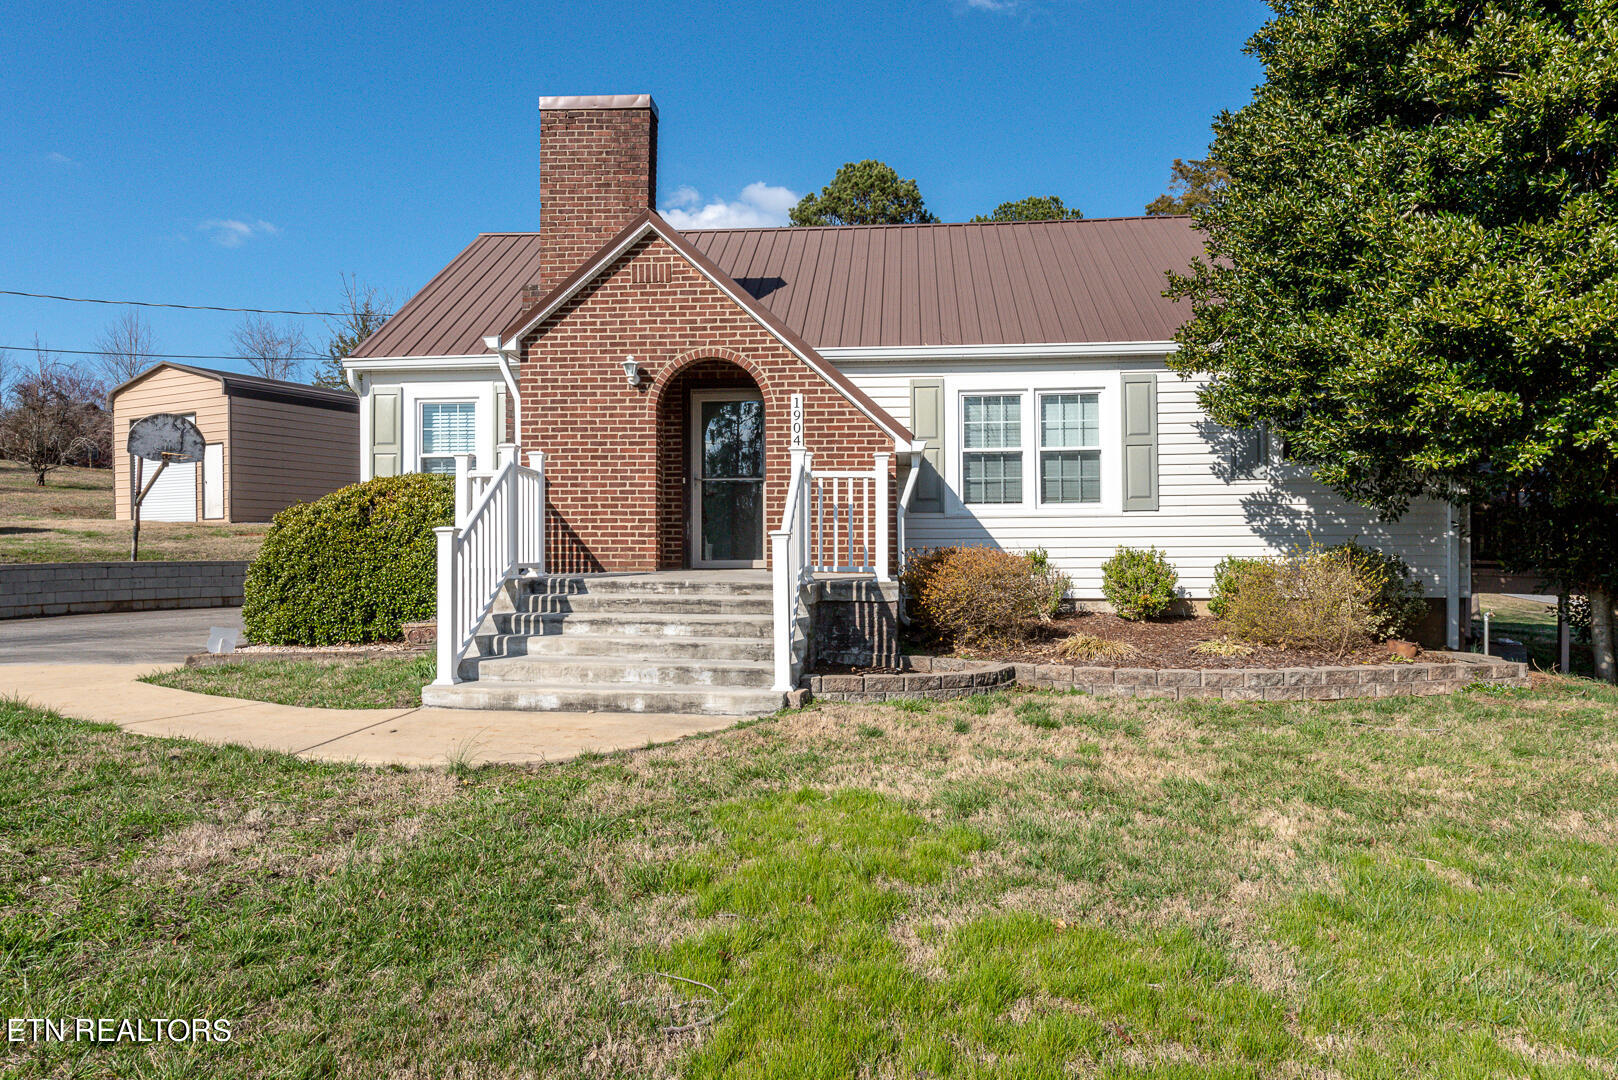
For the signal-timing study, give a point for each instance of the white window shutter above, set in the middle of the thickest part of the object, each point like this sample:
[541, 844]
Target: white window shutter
[387, 426]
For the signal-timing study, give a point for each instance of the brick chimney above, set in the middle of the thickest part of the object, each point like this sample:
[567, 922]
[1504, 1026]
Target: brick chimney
[597, 170]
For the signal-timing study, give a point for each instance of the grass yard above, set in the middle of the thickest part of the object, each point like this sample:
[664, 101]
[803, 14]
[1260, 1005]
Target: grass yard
[1533, 624]
[70, 520]
[1020, 885]
[383, 683]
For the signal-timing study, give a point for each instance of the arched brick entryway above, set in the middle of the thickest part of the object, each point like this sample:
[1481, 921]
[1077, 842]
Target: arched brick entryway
[705, 370]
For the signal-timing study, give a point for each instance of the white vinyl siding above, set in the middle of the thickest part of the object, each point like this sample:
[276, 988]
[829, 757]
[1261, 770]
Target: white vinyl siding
[991, 458]
[447, 428]
[1070, 448]
[1207, 510]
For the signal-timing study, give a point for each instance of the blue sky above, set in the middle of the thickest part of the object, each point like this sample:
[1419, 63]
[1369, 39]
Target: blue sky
[248, 154]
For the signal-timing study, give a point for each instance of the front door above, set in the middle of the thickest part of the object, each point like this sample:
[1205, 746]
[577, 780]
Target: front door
[727, 478]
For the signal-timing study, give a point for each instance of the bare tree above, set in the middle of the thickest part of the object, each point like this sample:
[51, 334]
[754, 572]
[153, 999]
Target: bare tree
[126, 346]
[53, 417]
[271, 350]
[364, 311]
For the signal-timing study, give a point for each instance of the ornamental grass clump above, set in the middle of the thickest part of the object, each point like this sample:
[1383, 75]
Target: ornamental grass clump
[350, 567]
[980, 595]
[1091, 647]
[1139, 583]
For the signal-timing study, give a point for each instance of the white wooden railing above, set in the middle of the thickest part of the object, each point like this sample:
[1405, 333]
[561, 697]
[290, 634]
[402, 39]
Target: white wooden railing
[792, 567]
[499, 526]
[835, 521]
[849, 511]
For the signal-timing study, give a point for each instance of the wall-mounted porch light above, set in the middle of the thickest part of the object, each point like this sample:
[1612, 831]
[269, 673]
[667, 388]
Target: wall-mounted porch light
[632, 370]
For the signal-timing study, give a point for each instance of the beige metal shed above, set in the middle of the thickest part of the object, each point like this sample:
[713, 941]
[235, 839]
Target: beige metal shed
[269, 443]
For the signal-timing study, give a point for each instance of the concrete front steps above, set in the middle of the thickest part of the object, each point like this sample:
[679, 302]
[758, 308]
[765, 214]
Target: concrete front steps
[679, 642]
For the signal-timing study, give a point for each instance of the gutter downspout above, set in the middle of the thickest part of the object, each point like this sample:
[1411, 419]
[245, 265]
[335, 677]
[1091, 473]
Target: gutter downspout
[1452, 581]
[914, 451]
[504, 356]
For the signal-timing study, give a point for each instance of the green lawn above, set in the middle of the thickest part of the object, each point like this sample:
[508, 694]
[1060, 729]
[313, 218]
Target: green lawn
[1534, 624]
[382, 683]
[1022, 885]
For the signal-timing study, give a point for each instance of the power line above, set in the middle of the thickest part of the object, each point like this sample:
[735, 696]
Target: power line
[183, 307]
[144, 355]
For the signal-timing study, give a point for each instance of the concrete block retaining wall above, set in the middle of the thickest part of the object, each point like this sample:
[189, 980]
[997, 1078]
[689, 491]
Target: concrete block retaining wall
[942, 677]
[30, 589]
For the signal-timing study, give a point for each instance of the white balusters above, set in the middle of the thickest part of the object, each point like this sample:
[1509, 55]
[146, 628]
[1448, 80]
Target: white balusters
[499, 526]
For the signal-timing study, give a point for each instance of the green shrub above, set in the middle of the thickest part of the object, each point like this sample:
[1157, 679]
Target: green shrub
[351, 566]
[1399, 601]
[1327, 598]
[1227, 580]
[980, 595]
[1139, 583]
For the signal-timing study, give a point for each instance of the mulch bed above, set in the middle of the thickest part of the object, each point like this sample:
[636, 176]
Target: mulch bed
[1160, 643]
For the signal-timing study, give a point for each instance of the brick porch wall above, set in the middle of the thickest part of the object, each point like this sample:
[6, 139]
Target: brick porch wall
[614, 453]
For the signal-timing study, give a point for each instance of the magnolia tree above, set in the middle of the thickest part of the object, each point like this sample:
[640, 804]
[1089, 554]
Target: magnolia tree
[1413, 266]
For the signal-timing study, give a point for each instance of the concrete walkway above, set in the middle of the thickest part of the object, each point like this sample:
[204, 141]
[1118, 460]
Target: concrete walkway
[414, 737]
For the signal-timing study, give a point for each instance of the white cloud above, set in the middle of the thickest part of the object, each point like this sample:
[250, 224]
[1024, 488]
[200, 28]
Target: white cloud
[992, 5]
[56, 157]
[228, 232]
[759, 205]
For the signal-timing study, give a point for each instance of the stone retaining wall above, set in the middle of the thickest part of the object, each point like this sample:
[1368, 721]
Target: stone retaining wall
[942, 677]
[30, 589]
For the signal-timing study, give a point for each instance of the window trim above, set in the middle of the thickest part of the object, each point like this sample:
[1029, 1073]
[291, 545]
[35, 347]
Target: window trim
[1040, 449]
[421, 430]
[1021, 449]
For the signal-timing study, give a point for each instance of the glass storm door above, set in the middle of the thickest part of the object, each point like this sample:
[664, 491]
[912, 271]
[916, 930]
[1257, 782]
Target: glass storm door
[728, 478]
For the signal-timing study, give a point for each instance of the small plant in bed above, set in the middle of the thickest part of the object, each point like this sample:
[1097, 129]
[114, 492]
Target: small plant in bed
[1090, 647]
[1139, 583]
[1221, 646]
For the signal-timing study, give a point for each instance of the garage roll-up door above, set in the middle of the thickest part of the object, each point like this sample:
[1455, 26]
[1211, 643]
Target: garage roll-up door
[174, 496]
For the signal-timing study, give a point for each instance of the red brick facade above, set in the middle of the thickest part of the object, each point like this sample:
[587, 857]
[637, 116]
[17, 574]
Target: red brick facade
[616, 454]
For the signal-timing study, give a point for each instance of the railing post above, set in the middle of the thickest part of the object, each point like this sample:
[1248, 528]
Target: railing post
[785, 608]
[463, 487]
[503, 453]
[514, 508]
[536, 461]
[882, 516]
[449, 633]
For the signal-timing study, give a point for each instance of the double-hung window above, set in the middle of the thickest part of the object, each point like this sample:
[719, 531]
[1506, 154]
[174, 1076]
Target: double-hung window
[447, 428]
[991, 458]
[1070, 448]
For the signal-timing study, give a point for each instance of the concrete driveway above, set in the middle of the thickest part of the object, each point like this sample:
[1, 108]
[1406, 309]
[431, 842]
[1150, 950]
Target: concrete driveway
[137, 637]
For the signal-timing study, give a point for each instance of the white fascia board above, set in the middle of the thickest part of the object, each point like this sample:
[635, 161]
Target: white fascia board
[489, 363]
[1078, 350]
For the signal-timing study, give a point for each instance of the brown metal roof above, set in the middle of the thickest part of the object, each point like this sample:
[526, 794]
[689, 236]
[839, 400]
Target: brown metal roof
[476, 294]
[648, 222]
[995, 283]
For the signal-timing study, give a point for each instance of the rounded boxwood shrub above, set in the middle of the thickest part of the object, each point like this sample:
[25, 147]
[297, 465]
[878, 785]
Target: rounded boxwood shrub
[350, 567]
[1139, 583]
